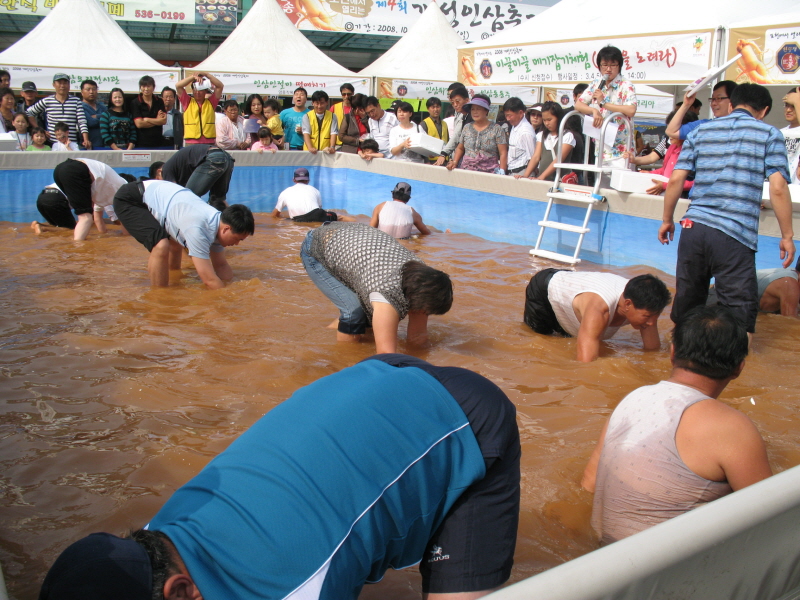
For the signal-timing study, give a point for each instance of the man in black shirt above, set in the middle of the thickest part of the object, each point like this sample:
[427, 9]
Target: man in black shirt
[149, 115]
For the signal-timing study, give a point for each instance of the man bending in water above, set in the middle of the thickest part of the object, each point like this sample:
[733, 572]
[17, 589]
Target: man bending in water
[370, 276]
[593, 306]
[165, 218]
[391, 462]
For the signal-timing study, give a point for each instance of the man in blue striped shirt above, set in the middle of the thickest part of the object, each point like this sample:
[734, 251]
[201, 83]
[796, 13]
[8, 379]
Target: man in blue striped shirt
[731, 157]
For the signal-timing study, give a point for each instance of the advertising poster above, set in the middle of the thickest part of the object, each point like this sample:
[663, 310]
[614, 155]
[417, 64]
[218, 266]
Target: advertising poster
[474, 20]
[413, 90]
[770, 55]
[209, 12]
[663, 58]
[284, 85]
[106, 79]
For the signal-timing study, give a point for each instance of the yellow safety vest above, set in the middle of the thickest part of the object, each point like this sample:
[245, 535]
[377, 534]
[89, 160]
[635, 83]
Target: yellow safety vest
[433, 132]
[323, 140]
[338, 110]
[199, 123]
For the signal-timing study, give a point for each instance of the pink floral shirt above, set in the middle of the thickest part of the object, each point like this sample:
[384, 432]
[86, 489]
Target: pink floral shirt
[621, 92]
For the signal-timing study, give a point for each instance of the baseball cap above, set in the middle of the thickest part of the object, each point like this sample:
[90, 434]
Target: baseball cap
[204, 85]
[58, 76]
[402, 189]
[29, 86]
[98, 566]
[301, 174]
[395, 104]
[537, 107]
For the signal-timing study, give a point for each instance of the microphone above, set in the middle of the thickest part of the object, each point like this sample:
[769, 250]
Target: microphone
[602, 84]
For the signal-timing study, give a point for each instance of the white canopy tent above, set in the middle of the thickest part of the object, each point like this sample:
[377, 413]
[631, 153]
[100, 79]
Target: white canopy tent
[266, 53]
[428, 52]
[81, 39]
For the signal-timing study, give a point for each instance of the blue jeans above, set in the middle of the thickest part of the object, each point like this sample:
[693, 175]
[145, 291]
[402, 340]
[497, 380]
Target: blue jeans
[213, 176]
[352, 318]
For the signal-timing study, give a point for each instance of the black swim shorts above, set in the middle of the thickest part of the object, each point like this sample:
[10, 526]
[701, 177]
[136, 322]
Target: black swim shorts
[318, 215]
[75, 179]
[136, 217]
[473, 548]
[539, 314]
[54, 207]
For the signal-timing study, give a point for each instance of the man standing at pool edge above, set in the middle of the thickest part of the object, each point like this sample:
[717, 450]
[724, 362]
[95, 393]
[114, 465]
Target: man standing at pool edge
[391, 462]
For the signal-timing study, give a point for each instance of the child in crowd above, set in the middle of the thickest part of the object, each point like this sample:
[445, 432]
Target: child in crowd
[670, 158]
[116, 124]
[368, 149]
[546, 155]
[38, 139]
[20, 132]
[265, 142]
[63, 143]
[272, 113]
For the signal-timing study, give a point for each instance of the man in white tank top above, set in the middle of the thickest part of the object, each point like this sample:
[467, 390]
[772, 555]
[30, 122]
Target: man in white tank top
[593, 306]
[395, 217]
[670, 447]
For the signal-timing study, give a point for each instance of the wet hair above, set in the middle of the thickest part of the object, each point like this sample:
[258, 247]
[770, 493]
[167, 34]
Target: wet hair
[300, 89]
[753, 95]
[273, 104]
[264, 132]
[426, 289]
[433, 101]
[710, 341]
[60, 126]
[405, 107]
[230, 103]
[358, 101]
[689, 117]
[347, 86]
[609, 54]
[147, 80]
[647, 292]
[373, 101]
[248, 104]
[319, 95]
[728, 85]
[514, 105]
[460, 91]
[86, 82]
[162, 562]
[370, 145]
[579, 89]
[151, 174]
[239, 217]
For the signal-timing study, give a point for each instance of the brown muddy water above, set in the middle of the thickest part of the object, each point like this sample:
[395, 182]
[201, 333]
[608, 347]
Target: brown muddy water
[112, 394]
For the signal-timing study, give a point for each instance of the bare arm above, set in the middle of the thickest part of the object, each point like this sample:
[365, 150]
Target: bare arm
[456, 157]
[674, 126]
[385, 320]
[423, 229]
[309, 145]
[218, 85]
[666, 233]
[276, 214]
[181, 85]
[417, 332]
[593, 323]
[503, 149]
[375, 219]
[207, 272]
[782, 206]
[590, 473]
[98, 221]
[650, 339]
[221, 266]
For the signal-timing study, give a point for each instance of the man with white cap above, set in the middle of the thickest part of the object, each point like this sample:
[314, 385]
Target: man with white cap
[198, 110]
[304, 202]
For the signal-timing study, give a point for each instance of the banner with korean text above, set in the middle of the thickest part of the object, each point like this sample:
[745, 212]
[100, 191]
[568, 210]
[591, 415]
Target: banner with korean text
[409, 89]
[660, 58]
[106, 79]
[473, 20]
[284, 85]
[770, 55]
[206, 12]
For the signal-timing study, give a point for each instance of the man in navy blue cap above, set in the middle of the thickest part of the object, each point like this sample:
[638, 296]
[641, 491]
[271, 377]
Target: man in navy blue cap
[389, 463]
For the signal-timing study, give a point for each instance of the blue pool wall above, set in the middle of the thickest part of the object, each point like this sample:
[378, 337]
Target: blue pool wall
[623, 230]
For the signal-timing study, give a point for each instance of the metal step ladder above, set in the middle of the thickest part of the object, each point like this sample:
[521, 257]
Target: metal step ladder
[560, 193]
